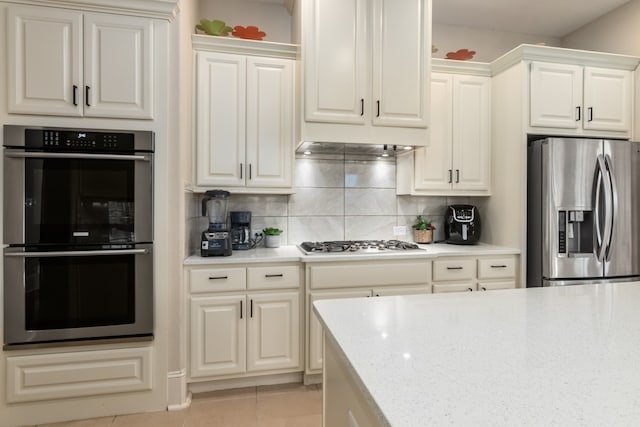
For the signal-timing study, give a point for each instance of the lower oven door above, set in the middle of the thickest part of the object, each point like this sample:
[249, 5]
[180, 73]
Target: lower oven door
[52, 296]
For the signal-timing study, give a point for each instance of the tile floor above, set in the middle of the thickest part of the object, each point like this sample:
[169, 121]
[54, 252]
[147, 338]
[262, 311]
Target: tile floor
[290, 405]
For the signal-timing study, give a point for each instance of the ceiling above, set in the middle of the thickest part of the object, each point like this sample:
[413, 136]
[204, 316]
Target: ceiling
[552, 18]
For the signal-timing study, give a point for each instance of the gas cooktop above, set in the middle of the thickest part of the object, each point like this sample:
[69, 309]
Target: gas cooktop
[357, 246]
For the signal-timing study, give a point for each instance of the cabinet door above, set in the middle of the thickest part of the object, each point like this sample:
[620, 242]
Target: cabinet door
[314, 354]
[607, 99]
[401, 290]
[270, 126]
[118, 66]
[220, 119]
[218, 335]
[336, 71]
[471, 132]
[439, 288]
[490, 286]
[45, 61]
[556, 95]
[401, 62]
[273, 334]
[433, 163]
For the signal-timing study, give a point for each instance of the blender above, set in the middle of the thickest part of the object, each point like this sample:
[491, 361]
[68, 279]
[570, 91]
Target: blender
[216, 240]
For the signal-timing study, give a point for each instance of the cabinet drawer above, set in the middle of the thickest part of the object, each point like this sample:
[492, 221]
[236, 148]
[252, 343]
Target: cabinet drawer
[276, 277]
[496, 268]
[217, 280]
[454, 269]
[352, 274]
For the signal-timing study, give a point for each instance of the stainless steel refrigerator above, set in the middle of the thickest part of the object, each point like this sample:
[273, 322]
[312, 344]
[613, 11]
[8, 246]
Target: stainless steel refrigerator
[583, 215]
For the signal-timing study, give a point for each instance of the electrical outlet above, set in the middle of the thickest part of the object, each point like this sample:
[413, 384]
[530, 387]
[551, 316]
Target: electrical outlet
[256, 233]
[399, 230]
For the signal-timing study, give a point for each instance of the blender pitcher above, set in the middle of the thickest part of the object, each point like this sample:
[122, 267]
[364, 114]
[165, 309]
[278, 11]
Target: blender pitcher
[214, 206]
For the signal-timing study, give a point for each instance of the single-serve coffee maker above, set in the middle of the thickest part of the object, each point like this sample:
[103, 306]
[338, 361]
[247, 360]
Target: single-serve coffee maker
[241, 230]
[216, 239]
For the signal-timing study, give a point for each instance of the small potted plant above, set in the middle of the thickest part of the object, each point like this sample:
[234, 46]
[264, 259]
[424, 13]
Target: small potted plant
[272, 237]
[423, 230]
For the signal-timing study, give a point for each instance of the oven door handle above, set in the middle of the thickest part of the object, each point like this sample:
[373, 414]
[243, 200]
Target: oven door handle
[40, 155]
[77, 253]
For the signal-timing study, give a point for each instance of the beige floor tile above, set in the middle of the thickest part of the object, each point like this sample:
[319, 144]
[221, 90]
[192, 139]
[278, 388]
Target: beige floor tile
[283, 388]
[288, 405]
[92, 422]
[237, 393]
[302, 421]
[222, 413]
[155, 419]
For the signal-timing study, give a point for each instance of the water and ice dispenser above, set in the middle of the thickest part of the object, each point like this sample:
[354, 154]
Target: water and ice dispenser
[575, 232]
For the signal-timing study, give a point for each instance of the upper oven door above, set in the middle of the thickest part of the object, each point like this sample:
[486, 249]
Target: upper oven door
[77, 198]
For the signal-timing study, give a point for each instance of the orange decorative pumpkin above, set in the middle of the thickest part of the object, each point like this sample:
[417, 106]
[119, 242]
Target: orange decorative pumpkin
[461, 54]
[250, 32]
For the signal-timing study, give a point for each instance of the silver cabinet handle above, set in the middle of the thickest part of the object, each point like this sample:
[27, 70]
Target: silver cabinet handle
[76, 253]
[40, 155]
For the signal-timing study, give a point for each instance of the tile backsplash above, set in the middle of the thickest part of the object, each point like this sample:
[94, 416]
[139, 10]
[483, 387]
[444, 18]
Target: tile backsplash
[335, 199]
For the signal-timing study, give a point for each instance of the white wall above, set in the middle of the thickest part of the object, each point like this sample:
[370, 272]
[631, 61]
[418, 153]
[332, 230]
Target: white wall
[616, 32]
[273, 19]
[488, 44]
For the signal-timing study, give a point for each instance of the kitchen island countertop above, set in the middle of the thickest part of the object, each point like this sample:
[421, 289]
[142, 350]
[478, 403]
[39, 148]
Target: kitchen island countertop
[564, 356]
[291, 253]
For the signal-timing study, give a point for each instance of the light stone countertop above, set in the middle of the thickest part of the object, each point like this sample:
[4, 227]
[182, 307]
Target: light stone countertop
[561, 356]
[292, 253]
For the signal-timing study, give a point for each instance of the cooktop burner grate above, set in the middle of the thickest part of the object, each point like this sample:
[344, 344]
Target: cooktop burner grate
[350, 246]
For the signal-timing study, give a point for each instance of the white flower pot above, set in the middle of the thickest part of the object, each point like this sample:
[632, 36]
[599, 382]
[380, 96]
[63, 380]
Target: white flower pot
[272, 241]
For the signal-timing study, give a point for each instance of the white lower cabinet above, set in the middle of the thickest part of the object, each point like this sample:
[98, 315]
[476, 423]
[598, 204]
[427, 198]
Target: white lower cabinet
[244, 333]
[84, 373]
[466, 274]
[353, 279]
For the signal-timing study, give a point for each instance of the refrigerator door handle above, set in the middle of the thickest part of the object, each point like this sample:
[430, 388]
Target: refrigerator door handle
[613, 198]
[600, 246]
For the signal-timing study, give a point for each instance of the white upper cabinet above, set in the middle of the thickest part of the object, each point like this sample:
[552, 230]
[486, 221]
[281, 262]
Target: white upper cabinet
[401, 56]
[50, 74]
[458, 158]
[244, 117]
[366, 68]
[580, 98]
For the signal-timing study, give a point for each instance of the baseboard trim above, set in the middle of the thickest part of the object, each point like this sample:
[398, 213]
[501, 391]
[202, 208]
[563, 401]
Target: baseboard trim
[202, 387]
[178, 397]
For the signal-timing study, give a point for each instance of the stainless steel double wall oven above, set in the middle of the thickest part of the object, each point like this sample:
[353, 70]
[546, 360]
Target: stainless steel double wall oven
[78, 234]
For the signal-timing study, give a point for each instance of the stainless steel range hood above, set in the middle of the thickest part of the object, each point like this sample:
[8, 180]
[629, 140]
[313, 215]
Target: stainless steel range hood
[339, 148]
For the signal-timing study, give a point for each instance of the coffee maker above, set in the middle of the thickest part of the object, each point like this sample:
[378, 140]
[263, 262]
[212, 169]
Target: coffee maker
[216, 240]
[241, 230]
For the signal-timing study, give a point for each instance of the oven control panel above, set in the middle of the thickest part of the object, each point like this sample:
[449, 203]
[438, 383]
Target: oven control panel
[62, 140]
